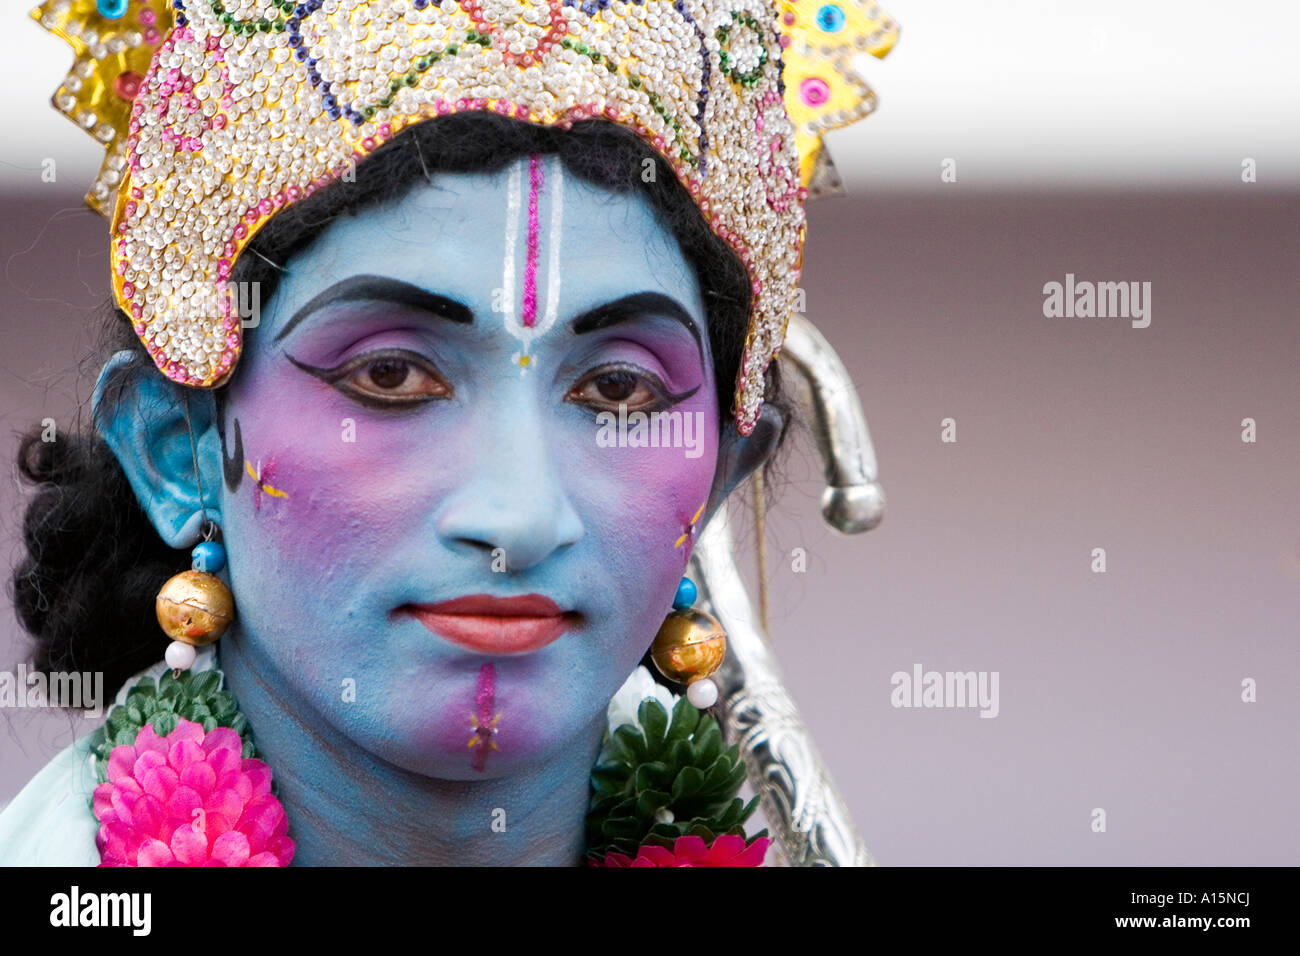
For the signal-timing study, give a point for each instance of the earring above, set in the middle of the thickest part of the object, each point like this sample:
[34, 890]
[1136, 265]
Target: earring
[689, 647]
[195, 607]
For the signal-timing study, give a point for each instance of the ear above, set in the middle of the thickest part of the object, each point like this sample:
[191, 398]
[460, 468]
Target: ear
[739, 456]
[142, 416]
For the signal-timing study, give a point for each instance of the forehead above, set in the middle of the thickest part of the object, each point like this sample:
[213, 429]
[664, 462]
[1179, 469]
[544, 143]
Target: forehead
[475, 237]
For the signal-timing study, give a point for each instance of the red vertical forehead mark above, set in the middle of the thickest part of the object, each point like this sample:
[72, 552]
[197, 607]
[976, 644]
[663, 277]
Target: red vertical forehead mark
[484, 722]
[535, 180]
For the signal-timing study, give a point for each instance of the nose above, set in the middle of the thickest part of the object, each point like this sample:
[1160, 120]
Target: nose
[510, 503]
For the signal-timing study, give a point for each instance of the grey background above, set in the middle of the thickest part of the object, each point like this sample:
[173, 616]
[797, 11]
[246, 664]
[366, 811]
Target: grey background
[1118, 690]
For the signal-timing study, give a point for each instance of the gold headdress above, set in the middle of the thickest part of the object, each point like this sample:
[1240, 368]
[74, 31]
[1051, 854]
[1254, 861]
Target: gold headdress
[216, 114]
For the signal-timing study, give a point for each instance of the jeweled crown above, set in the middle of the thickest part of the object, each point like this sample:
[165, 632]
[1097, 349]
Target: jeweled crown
[217, 115]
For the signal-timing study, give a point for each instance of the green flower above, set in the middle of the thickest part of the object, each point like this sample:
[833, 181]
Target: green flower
[666, 779]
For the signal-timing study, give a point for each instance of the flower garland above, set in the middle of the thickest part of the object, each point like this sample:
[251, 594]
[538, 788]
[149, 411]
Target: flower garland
[180, 783]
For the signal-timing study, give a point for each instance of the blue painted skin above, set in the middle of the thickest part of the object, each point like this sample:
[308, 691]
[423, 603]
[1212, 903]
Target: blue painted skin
[477, 477]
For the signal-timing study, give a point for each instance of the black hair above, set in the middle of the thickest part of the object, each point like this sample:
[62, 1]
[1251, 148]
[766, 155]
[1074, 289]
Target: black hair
[86, 586]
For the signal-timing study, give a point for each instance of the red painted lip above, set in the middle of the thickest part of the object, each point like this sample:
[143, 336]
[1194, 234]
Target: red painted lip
[492, 625]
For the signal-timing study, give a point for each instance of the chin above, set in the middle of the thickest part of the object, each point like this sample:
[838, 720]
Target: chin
[473, 722]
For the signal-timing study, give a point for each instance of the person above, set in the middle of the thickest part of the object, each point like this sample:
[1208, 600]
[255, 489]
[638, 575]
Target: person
[407, 415]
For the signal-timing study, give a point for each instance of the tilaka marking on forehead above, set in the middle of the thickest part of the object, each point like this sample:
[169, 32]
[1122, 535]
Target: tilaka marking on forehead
[526, 327]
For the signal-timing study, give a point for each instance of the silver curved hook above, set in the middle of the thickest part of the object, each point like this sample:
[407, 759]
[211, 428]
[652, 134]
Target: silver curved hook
[853, 501]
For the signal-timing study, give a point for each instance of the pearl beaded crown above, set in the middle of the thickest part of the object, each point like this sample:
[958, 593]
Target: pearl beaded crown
[216, 114]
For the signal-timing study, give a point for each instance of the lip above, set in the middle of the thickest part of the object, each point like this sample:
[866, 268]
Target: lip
[494, 625]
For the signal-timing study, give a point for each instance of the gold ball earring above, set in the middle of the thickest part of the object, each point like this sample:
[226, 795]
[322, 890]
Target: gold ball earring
[690, 646]
[195, 607]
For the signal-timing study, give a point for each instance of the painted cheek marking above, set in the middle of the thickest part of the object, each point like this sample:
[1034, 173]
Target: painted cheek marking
[688, 527]
[261, 482]
[484, 723]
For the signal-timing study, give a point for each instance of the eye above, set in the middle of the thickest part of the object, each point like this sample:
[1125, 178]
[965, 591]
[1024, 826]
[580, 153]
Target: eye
[395, 378]
[385, 378]
[608, 387]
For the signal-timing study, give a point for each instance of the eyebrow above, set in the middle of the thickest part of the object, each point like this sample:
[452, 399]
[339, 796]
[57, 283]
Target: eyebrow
[383, 288]
[371, 287]
[633, 306]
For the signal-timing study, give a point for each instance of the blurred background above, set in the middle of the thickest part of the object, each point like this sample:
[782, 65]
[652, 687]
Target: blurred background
[1106, 140]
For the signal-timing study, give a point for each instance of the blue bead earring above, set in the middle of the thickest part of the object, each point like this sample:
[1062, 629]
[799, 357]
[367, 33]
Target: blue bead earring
[690, 646]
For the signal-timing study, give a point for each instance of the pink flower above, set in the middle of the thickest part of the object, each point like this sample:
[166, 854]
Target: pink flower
[189, 799]
[692, 851]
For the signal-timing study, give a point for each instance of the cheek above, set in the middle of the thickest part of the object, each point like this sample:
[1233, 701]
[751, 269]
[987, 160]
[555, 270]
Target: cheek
[322, 487]
[647, 503]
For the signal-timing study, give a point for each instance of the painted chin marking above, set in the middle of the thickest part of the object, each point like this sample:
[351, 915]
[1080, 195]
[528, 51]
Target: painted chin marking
[484, 722]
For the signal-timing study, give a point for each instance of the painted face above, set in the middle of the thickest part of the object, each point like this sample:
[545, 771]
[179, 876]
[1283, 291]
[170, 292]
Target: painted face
[446, 541]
